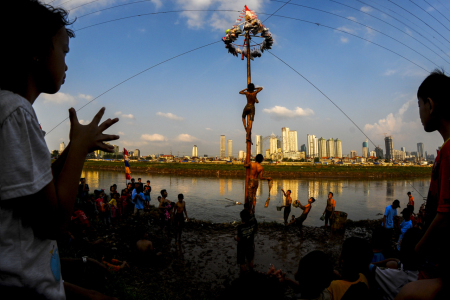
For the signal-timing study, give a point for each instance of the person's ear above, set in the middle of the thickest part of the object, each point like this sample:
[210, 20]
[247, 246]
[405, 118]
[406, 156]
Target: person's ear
[432, 104]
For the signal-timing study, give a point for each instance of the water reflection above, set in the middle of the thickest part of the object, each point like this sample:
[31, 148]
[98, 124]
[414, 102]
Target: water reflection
[205, 196]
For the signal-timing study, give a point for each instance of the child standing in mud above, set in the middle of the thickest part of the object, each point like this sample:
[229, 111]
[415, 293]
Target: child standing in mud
[245, 238]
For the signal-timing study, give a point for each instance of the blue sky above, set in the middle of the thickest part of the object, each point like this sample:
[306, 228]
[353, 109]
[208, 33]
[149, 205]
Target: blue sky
[193, 99]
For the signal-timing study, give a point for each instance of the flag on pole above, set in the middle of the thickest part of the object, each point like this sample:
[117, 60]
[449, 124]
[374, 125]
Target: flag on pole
[127, 164]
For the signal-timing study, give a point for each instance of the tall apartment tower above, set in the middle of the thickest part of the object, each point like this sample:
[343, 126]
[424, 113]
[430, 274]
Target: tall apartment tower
[353, 153]
[420, 150]
[230, 148]
[273, 144]
[389, 148]
[194, 151]
[137, 153]
[322, 143]
[365, 148]
[259, 145]
[330, 148]
[379, 152]
[338, 148]
[403, 149]
[293, 144]
[62, 146]
[303, 148]
[312, 146]
[222, 146]
[285, 137]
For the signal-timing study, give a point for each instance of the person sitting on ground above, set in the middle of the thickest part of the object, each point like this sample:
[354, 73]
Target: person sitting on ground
[111, 263]
[256, 171]
[404, 226]
[306, 209]
[355, 259]
[329, 210]
[245, 238]
[180, 209]
[396, 273]
[144, 246]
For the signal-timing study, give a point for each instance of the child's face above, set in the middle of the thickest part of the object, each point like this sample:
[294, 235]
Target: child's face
[425, 111]
[53, 69]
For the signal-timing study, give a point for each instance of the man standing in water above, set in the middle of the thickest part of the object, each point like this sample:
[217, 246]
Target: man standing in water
[249, 109]
[329, 210]
[256, 170]
[287, 206]
[306, 209]
[180, 208]
[410, 202]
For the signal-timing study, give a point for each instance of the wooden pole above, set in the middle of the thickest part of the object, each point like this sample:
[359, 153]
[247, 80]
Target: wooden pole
[249, 144]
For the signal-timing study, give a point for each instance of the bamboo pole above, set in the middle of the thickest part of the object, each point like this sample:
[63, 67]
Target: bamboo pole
[249, 144]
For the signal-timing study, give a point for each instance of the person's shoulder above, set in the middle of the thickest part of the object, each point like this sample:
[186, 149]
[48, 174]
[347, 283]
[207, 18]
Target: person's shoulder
[10, 102]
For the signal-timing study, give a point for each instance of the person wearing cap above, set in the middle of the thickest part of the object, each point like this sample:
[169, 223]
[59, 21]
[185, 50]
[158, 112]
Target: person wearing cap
[405, 225]
[410, 202]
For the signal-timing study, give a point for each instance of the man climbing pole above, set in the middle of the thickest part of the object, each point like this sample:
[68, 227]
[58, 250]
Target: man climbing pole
[249, 109]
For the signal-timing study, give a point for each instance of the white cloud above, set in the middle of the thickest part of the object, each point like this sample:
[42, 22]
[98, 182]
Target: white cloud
[344, 40]
[133, 144]
[394, 123]
[366, 9]
[280, 112]
[125, 116]
[208, 128]
[153, 137]
[184, 137]
[352, 18]
[59, 98]
[169, 116]
[429, 9]
[346, 29]
[120, 133]
[389, 72]
[217, 20]
[83, 122]
[86, 97]
[142, 30]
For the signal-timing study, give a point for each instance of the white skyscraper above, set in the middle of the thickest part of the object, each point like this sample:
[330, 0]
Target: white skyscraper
[222, 146]
[273, 144]
[137, 153]
[62, 146]
[230, 148]
[312, 146]
[194, 151]
[293, 144]
[241, 154]
[330, 148]
[259, 145]
[285, 137]
[338, 148]
[322, 147]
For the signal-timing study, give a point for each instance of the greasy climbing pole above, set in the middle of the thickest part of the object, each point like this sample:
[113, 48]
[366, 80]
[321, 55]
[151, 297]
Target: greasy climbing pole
[251, 26]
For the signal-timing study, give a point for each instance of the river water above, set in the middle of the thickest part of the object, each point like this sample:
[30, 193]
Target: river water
[206, 197]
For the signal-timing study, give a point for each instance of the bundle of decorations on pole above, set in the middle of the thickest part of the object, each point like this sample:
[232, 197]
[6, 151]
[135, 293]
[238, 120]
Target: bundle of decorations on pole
[248, 23]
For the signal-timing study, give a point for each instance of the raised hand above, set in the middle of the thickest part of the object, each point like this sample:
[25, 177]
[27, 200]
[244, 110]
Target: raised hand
[91, 137]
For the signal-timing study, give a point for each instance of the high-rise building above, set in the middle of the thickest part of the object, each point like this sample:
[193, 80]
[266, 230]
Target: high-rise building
[330, 148]
[137, 153]
[403, 149]
[338, 148]
[62, 146]
[194, 151]
[293, 144]
[273, 144]
[303, 148]
[420, 150]
[322, 143]
[353, 153]
[259, 145]
[365, 148]
[426, 155]
[373, 154]
[312, 146]
[408, 153]
[241, 154]
[285, 139]
[230, 148]
[222, 146]
[379, 152]
[389, 148]
[267, 153]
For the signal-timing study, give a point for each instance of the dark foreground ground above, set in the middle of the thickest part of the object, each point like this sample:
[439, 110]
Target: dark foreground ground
[204, 264]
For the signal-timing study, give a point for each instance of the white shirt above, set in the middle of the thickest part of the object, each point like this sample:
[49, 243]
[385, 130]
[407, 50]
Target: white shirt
[391, 281]
[25, 261]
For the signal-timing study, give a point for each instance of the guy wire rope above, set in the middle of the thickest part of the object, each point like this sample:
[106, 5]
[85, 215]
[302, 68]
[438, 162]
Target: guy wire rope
[436, 9]
[429, 14]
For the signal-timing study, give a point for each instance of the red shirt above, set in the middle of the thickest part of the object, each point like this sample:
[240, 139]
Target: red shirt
[438, 199]
[79, 217]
